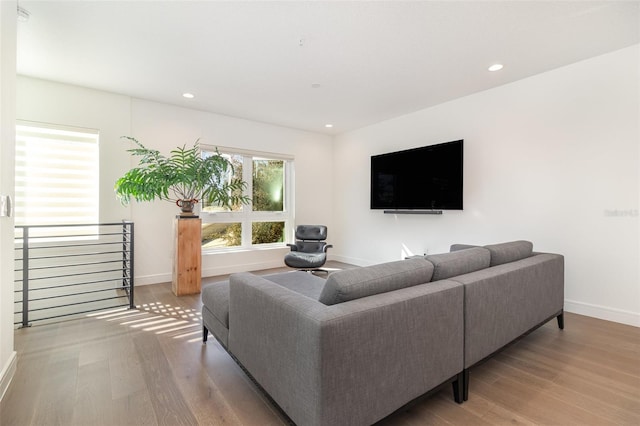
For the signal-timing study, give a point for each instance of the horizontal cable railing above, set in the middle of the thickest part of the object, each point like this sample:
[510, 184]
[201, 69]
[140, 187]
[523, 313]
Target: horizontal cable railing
[65, 270]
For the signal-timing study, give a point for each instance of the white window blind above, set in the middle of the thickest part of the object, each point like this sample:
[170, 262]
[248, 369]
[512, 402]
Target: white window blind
[57, 175]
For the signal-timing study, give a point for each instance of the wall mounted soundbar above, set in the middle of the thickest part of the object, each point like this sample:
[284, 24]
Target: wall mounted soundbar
[413, 212]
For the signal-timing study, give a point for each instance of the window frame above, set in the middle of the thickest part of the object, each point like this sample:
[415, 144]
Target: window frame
[246, 216]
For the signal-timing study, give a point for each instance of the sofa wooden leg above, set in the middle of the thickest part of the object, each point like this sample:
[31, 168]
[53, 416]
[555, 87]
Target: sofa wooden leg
[458, 388]
[205, 334]
[465, 384]
[560, 319]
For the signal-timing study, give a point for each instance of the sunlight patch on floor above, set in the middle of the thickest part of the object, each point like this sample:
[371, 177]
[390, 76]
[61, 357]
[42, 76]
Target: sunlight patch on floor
[158, 318]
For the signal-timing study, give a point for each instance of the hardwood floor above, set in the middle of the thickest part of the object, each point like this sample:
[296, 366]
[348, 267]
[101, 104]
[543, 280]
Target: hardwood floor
[149, 367]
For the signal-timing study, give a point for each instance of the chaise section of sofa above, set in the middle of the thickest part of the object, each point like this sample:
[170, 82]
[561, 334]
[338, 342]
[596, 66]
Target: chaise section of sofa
[353, 362]
[215, 300]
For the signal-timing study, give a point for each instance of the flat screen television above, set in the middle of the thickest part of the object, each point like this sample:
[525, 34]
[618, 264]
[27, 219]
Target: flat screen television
[426, 178]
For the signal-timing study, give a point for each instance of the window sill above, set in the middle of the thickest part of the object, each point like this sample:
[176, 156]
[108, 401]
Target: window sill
[230, 250]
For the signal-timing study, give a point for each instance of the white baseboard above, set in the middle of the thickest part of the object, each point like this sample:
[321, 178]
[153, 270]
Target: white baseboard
[603, 312]
[153, 279]
[351, 260]
[244, 267]
[212, 272]
[7, 373]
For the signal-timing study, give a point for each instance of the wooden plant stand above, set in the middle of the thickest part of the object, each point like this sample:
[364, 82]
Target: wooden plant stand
[187, 262]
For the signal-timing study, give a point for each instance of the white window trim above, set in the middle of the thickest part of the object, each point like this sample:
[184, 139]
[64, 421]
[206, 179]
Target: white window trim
[247, 215]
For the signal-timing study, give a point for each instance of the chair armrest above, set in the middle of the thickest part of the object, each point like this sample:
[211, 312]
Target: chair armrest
[293, 247]
[311, 358]
[327, 246]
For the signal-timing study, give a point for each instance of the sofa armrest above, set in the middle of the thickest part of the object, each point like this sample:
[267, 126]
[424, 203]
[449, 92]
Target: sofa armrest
[350, 363]
[505, 301]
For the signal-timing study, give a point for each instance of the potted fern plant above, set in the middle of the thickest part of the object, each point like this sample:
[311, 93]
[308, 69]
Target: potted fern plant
[184, 178]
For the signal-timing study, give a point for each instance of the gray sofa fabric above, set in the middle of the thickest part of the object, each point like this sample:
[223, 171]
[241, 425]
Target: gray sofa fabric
[301, 282]
[502, 252]
[505, 301]
[350, 284]
[212, 323]
[509, 252]
[215, 296]
[456, 247]
[459, 262]
[351, 363]
[354, 348]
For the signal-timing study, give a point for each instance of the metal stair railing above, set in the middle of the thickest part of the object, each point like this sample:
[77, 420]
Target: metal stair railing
[67, 270]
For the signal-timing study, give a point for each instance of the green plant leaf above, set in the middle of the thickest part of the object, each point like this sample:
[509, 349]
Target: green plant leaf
[185, 174]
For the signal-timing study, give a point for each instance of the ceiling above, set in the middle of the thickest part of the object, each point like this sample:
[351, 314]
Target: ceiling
[304, 64]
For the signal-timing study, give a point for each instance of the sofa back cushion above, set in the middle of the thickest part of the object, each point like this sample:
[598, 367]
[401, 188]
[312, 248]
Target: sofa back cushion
[457, 247]
[509, 252]
[459, 262]
[350, 284]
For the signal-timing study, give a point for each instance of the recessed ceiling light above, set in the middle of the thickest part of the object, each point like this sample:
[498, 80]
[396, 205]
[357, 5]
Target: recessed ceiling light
[496, 67]
[328, 126]
[188, 95]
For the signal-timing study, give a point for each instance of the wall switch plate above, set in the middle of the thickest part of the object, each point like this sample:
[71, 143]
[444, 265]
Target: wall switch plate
[5, 206]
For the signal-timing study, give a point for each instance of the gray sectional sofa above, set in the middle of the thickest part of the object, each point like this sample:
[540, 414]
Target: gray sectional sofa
[509, 290]
[354, 348]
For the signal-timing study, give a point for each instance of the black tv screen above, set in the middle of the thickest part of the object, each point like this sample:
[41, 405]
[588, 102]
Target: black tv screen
[426, 178]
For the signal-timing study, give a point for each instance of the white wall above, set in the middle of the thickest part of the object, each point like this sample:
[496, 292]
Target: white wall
[8, 18]
[548, 159]
[164, 127]
[552, 159]
[48, 102]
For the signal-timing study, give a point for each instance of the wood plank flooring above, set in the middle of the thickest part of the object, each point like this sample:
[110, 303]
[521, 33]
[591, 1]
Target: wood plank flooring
[148, 367]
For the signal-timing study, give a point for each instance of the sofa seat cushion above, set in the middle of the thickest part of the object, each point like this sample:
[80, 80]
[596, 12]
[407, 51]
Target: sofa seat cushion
[215, 296]
[301, 282]
[509, 252]
[350, 284]
[459, 262]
